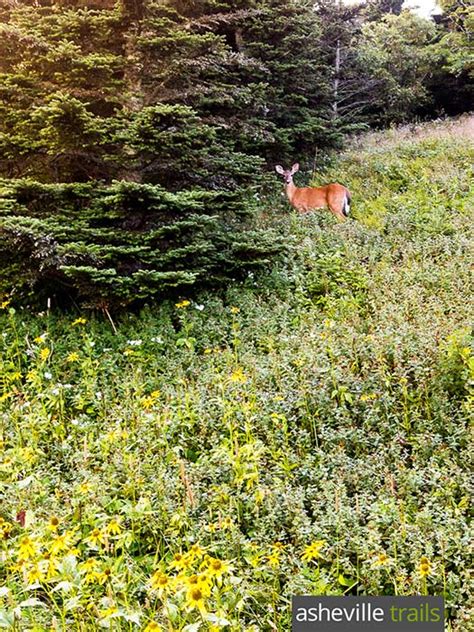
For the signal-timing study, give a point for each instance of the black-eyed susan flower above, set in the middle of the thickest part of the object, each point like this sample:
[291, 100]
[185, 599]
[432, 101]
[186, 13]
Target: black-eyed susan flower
[313, 550]
[238, 376]
[62, 542]
[197, 551]
[195, 598]
[226, 523]
[382, 559]
[27, 548]
[180, 561]
[95, 538]
[216, 568]
[88, 565]
[104, 576]
[114, 527]
[424, 568]
[161, 583]
[53, 524]
[273, 558]
[35, 574]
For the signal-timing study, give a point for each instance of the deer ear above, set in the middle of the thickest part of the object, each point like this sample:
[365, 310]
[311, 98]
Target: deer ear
[295, 168]
[279, 169]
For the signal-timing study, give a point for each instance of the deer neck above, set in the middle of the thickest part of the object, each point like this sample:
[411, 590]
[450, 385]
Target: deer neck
[290, 190]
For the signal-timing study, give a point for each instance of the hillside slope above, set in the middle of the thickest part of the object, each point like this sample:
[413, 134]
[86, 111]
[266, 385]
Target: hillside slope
[305, 432]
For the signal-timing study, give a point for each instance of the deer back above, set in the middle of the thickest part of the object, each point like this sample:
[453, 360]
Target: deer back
[308, 198]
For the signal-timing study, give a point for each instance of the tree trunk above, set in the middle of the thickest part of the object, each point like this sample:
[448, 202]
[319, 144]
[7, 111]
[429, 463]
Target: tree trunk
[337, 68]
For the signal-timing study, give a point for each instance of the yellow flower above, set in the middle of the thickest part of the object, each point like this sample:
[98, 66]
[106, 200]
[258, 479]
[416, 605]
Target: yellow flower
[313, 551]
[62, 542]
[96, 537]
[44, 353]
[27, 548]
[234, 310]
[381, 560]
[273, 558]
[53, 523]
[108, 612]
[104, 576]
[183, 304]
[5, 528]
[202, 580]
[197, 551]
[424, 567]
[5, 304]
[195, 598]
[35, 574]
[147, 402]
[216, 567]
[207, 350]
[92, 577]
[161, 583]
[73, 357]
[367, 397]
[238, 376]
[84, 488]
[278, 545]
[79, 321]
[40, 339]
[89, 565]
[114, 528]
[153, 627]
[180, 561]
[51, 565]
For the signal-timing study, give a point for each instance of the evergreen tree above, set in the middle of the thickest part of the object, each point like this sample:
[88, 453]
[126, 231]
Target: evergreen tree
[60, 81]
[352, 84]
[398, 53]
[452, 83]
[84, 121]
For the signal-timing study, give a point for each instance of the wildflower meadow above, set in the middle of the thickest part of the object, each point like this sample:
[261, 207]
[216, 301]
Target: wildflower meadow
[190, 465]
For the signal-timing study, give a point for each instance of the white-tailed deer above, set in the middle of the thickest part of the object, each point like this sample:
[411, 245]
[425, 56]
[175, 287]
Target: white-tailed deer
[333, 196]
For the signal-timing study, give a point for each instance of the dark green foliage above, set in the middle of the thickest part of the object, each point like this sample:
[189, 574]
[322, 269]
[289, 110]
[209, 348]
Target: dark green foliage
[123, 242]
[255, 69]
[166, 194]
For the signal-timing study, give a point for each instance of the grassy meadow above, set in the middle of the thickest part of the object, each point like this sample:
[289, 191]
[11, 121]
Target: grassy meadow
[304, 431]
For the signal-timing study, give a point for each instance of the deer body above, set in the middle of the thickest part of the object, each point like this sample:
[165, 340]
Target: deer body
[333, 196]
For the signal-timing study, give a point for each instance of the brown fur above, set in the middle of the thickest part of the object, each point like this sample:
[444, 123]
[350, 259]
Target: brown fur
[333, 196]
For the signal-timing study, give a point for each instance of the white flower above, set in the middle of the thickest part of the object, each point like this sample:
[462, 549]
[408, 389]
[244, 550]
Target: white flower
[157, 339]
[134, 343]
[48, 375]
[199, 307]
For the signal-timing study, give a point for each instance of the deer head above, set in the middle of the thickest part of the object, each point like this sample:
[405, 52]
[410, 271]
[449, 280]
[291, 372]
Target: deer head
[287, 173]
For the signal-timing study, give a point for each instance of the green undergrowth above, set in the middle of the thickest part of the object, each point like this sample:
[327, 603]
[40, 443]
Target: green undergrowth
[303, 432]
